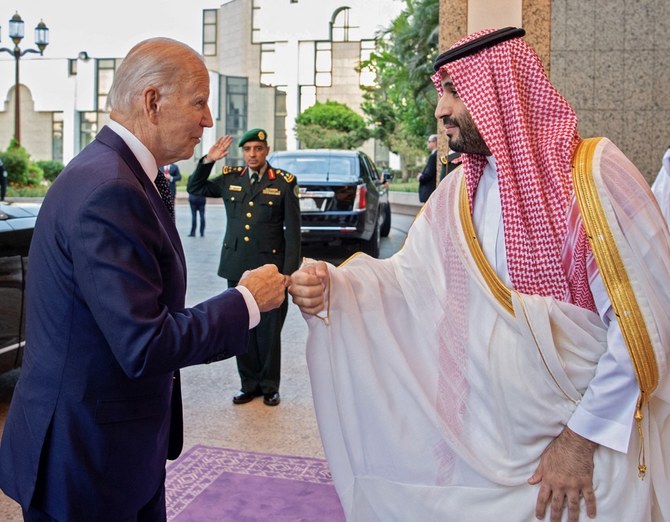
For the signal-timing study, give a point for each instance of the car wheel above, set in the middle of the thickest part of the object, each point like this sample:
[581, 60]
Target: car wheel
[386, 225]
[371, 246]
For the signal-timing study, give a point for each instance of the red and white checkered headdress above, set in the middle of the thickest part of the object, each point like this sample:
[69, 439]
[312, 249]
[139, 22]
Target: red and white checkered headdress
[531, 130]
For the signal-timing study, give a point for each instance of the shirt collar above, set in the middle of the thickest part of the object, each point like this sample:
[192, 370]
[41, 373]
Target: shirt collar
[143, 155]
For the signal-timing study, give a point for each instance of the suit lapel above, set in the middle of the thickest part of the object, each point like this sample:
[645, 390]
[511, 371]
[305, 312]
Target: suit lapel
[114, 141]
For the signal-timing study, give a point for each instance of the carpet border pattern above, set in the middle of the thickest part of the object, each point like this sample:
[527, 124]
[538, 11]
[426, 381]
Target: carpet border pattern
[197, 468]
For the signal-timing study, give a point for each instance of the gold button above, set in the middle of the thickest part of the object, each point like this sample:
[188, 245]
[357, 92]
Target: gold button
[274, 250]
[232, 199]
[270, 203]
[246, 238]
[251, 203]
[248, 214]
[246, 227]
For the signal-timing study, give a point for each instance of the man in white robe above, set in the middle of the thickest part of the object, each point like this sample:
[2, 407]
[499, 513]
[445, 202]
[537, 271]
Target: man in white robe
[504, 385]
[661, 186]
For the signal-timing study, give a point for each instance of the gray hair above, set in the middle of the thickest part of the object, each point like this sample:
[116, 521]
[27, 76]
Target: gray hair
[432, 137]
[157, 62]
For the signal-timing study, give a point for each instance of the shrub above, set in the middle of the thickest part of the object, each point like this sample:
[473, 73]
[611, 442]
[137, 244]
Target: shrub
[16, 160]
[51, 168]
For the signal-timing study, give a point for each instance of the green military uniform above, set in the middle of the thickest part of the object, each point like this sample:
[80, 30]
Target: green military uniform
[263, 226]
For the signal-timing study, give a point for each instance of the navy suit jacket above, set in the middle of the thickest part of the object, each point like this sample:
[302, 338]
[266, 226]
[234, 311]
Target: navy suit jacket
[98, 401]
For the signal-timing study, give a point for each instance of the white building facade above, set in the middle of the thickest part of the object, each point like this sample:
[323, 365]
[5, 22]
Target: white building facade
[268, 60]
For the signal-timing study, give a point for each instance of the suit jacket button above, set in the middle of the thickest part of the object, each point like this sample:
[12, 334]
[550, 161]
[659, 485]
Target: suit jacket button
[248, 214]
[246, 227]
[246, 238]
[251, 203]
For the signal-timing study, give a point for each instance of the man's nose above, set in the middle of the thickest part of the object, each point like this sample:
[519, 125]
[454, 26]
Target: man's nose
[443, 108]
[207, 120]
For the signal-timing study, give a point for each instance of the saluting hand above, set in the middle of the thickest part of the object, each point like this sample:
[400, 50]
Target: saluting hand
[308, 287]
[219, 149]
[267, 286]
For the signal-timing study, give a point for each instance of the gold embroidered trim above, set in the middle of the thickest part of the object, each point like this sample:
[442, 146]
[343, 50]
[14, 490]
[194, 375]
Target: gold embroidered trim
[495, 284]
[617, 282]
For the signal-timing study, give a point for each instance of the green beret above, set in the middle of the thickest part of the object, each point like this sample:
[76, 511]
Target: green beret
[254, 135]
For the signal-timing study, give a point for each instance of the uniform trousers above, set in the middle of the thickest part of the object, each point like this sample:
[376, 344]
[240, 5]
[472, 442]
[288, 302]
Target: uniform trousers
[260, 367]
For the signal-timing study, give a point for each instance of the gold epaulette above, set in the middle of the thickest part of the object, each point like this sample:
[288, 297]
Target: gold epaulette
[230, 170]
[288, 177]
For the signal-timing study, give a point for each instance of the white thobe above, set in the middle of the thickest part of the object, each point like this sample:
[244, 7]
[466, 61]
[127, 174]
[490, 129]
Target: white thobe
[435, 401]
[605, 413]
[661, 186]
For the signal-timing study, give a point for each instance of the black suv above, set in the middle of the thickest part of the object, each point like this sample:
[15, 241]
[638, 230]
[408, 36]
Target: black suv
[17, 222]
[343, 197]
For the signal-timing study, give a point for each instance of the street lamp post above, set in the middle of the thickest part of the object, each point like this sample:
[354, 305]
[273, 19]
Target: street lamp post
[16, 34]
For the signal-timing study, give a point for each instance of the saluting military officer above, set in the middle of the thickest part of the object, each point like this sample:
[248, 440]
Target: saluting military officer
[263, 226]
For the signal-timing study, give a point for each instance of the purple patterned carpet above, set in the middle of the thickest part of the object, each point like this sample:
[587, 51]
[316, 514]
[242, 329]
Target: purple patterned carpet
[218, 484]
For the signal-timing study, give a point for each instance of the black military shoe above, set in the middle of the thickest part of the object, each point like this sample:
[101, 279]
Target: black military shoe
[271, 399]
[242, 397]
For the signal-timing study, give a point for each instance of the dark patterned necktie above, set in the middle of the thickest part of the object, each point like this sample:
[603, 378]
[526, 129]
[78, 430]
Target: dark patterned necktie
[163, 186]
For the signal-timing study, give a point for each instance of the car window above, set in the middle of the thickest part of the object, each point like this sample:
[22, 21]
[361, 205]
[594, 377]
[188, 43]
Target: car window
[315, 164]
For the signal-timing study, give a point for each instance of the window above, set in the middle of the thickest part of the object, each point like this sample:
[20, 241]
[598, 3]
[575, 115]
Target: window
[340, 28]
[323, 64]
[280, 118]
[236, 110]
[57, 136]
[307, 97]
[106, 68]
[268, 64]
[367, 74]
[209, 30]
[88, 128]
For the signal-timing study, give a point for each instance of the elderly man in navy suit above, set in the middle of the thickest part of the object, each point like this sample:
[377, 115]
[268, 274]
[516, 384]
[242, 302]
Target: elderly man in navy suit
[97, 409]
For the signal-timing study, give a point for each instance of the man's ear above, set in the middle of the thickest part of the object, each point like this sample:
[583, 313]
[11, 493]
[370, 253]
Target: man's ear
[151, 103]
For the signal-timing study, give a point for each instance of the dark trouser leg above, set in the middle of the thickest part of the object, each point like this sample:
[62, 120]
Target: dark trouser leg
[193, 218]
[152, 511]
[202, 219]
[260, 367]
[3, 187]
[35, 515]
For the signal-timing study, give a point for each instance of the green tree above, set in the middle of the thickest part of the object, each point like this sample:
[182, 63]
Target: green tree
[330, 125]
[402, 103]
[51, 168]
[20, 169]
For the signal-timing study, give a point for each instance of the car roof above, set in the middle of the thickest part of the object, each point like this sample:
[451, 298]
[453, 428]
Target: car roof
[317, 152]
[18, 210]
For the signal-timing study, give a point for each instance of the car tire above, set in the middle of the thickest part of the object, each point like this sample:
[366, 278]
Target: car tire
[386, 225]
[371, 246]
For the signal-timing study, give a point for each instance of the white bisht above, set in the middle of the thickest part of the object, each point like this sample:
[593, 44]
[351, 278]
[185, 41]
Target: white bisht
[435, 400]
[661, 186]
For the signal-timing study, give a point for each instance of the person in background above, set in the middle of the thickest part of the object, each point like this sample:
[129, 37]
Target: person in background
[172, 174]
[97, 408]
[263, 226]
[527, 376]
[429, 173]
[661, 186]
[3, 181]
[197, 204]
[449, 163]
